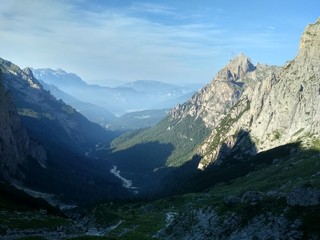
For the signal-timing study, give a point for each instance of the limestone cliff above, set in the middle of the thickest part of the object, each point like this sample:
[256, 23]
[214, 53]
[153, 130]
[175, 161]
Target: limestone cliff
[280, 108]
[211, 102]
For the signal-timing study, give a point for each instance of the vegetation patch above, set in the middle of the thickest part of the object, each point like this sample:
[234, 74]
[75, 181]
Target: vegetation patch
[31, 220]
[184, 136]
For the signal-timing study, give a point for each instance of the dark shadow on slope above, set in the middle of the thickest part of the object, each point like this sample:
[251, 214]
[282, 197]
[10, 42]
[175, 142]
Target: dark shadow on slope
[188, 178]
[168, 181]
[243, 147]
[139, 162]
[15, 199]
[234, 167]
[144, 164]
[69, 174]
[73, 178]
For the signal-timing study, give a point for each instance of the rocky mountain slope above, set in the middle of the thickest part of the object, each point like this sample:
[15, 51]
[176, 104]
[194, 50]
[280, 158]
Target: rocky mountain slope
[40, 111]
[284, 107]
[16, 147]
[187, 125]
[245, 109]
[63, 165]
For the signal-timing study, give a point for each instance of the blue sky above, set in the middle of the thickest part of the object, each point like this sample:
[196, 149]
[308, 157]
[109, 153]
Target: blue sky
[182, 42]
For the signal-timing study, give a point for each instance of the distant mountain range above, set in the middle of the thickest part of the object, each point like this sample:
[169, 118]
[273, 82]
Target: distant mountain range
[130, 97]
[91, 111]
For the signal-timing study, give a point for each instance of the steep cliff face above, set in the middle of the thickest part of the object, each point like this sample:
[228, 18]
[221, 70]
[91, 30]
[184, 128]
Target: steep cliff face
[15, 143]
[224, 98]
[284, 107]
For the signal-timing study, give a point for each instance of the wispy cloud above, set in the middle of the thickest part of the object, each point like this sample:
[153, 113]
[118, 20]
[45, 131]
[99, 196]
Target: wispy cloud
[152, 8]
[119, 43]
[271, 28]
[108, 44]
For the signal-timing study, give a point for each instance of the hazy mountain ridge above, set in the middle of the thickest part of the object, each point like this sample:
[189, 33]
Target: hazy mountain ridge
[34, 102]
[164, 90]
[93, 112]
[134, 96]
[114, 100]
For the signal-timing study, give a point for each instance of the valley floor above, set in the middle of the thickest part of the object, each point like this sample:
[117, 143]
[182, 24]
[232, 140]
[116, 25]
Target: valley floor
[278, 200]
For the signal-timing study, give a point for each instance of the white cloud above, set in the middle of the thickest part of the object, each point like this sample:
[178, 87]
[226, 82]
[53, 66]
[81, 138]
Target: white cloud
[152, 8]
[115, 43]
[100, 44]
[271, 28]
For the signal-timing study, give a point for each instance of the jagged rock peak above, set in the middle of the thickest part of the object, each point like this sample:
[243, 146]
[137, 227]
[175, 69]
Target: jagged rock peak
[236, 68]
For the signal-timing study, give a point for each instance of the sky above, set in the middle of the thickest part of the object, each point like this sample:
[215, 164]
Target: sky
[110, 42]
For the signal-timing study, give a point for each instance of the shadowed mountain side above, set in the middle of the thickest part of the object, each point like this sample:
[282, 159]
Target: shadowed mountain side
[232, 168]
[138, 162]
[72, 177]
[240, 148]
[234, 162]
[66, 136]
[168, 181]
[230, 152]
[15, 199]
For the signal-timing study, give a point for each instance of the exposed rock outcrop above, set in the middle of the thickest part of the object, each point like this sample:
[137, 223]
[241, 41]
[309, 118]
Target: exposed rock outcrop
[283, 106]
[207, 224]
[15, 144]
[213, 101]
[304, 196]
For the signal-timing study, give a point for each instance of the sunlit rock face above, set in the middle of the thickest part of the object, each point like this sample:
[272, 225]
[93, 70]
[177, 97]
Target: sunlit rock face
[273, 105]
[282, 107]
